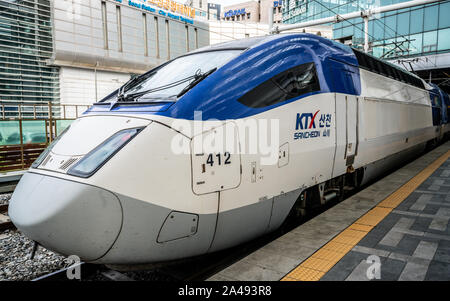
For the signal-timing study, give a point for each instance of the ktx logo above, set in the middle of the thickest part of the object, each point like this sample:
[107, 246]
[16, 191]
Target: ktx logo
[306, 121]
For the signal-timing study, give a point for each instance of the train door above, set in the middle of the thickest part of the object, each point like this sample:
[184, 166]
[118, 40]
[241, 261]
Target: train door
[351, 103]
[346, 132]
[216, 169]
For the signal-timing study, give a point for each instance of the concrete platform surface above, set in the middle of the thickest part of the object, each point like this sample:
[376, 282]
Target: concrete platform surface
[11, 176]
[395, 229]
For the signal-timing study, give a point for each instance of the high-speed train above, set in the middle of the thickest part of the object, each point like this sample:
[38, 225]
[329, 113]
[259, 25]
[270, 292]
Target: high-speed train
[135, 180]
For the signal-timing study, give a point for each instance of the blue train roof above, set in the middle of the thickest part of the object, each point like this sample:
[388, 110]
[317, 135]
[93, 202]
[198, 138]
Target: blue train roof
[264, 57]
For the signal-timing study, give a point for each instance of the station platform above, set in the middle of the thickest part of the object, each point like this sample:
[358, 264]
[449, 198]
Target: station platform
[8, 180]
[395, 229]
[11, 176]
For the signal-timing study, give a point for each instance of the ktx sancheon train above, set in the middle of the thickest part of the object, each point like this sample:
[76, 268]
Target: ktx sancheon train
[112, 190]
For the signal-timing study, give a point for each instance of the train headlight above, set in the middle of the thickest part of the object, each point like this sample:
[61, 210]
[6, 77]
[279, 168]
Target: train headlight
[95, 159]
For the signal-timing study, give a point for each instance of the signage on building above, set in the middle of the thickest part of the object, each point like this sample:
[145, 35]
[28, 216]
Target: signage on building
[294, 10]
[214, 9]
[236, 12]
[278, 3]
[167, 8]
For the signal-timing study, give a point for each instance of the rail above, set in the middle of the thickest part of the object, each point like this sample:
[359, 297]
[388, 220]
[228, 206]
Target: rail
[20, 111]
[5, 221]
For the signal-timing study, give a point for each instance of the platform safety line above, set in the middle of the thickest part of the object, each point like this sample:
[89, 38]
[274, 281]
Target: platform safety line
[319, 263]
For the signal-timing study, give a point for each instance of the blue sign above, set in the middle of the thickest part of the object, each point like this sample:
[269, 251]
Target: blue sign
[278, 3]
[161, 12]
[307, 121]
[232, 13]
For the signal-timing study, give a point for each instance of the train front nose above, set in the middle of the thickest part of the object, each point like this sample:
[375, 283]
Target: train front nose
[67, 217]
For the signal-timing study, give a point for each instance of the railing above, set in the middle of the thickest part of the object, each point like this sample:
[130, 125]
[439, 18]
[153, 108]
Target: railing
[10, 111]
[27, 129]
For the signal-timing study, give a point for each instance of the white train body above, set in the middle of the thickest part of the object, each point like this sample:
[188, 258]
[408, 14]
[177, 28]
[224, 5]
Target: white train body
[148, 204]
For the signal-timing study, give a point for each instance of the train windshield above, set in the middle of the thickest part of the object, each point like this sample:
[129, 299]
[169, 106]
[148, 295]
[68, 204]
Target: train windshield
[173, 78]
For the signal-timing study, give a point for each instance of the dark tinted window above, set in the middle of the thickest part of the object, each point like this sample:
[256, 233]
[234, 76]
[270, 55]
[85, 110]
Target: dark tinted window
[378, 66]
[437, 101]
[286, 85]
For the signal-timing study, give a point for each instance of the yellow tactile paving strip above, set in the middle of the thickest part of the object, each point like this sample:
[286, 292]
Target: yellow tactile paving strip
[316, 266]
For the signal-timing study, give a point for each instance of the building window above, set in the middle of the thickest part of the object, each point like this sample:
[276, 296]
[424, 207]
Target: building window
[119, 28]
[196, 38]
[443, 40]
[105, 25]
[187, 38]
[157, 37]
[144, 24]
[429, 41]
[168, 39]
[25, 77]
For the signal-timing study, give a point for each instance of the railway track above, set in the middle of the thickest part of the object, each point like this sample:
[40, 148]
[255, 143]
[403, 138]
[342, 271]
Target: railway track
[6, 186]
[5, 221]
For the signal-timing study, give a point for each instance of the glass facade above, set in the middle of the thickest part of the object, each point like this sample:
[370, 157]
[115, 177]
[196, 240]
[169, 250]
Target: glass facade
[415, 31]
[25, 45]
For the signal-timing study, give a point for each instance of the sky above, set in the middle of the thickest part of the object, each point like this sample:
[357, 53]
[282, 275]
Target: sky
[227, 2]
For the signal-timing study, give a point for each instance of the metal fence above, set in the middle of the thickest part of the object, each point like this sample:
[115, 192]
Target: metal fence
[27, 129]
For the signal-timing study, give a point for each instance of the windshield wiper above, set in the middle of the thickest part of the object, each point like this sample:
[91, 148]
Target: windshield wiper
[133, 96]
[198, 78]
[131, 83]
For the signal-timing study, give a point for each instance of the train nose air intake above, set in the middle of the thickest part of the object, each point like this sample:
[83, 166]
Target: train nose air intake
[67, 217]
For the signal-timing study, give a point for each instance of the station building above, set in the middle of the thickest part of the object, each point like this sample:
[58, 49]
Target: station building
[214, 11]
[253, 11]
[78, 51]
[225, 31]
[251, 18]
[204, 10]
[416, 38]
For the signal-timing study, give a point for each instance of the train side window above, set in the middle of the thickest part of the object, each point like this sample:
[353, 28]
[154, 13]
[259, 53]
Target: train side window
[372, 65]
[298, 80]
[289, 84]
[380, 67]
[264, 95]
[437, 101]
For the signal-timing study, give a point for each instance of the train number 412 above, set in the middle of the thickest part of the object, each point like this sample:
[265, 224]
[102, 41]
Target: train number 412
[225, 158]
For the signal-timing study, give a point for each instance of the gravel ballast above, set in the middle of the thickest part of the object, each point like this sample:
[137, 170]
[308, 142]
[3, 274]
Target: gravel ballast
[15, 264]
[4, 198]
